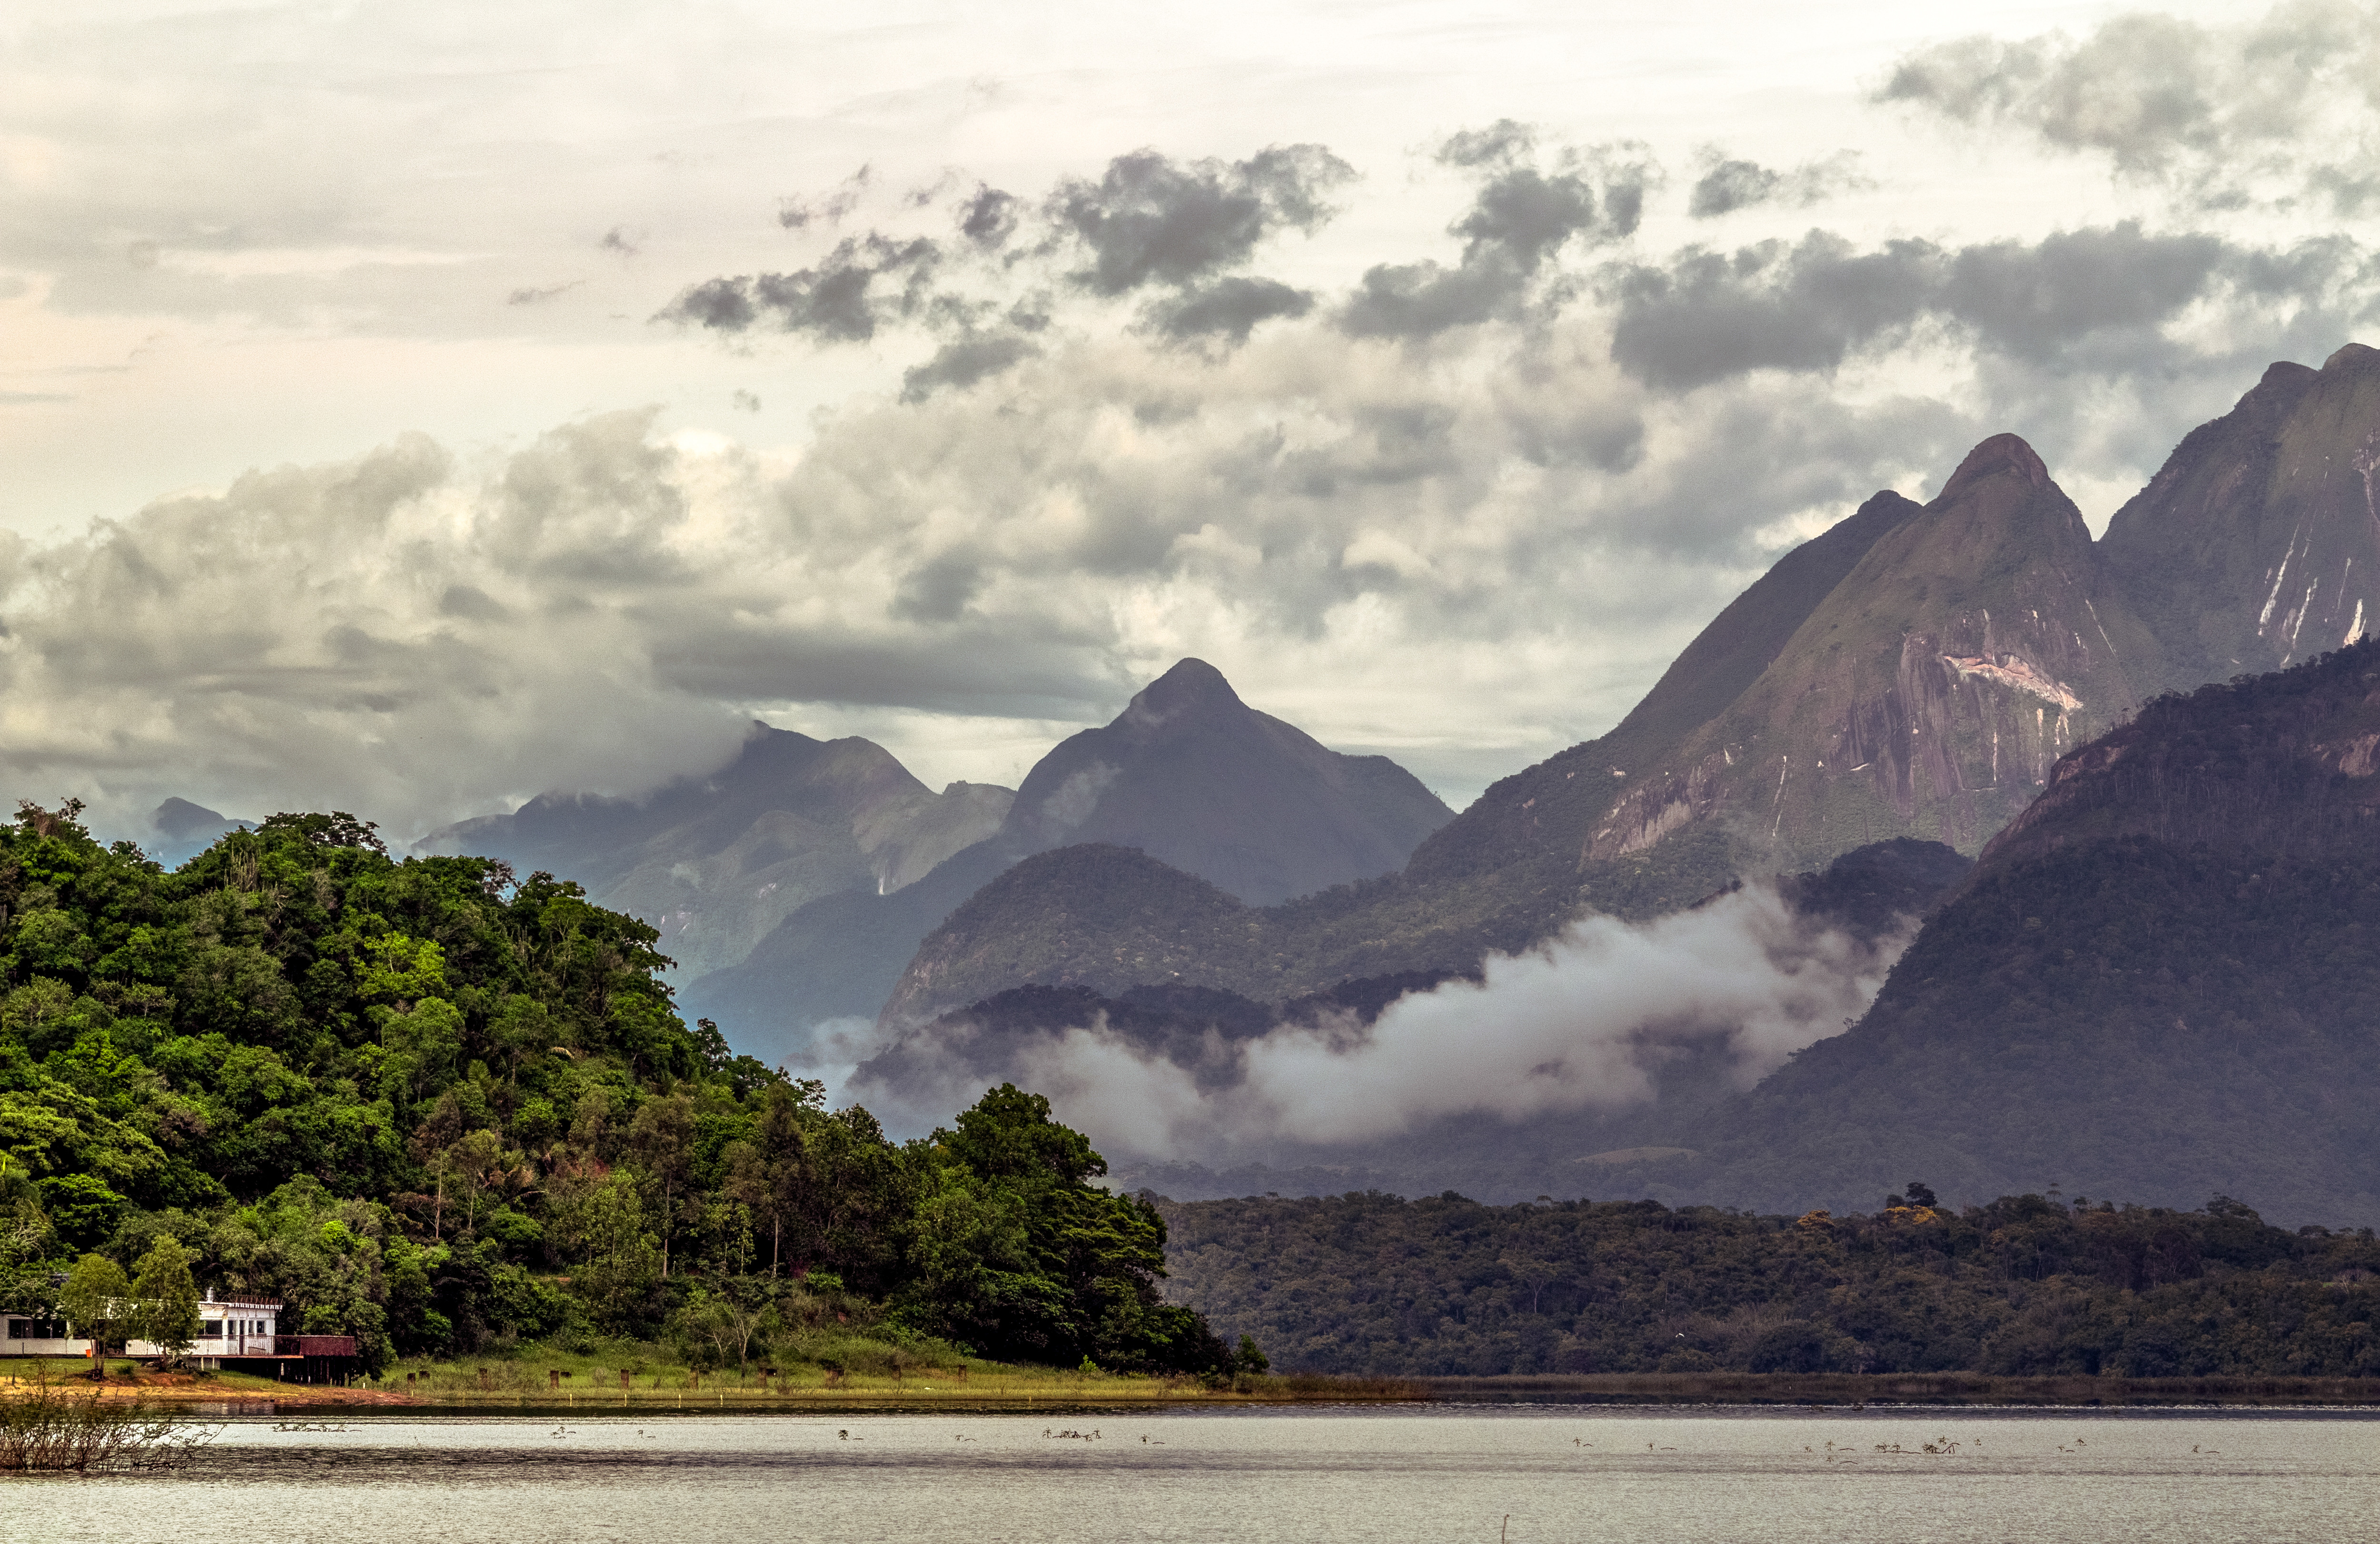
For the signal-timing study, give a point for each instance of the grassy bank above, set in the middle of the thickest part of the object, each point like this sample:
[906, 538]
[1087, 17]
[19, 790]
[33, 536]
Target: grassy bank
[637, 1374]
[134, 1381]
[866, 1375]
[589, 1377]
[1890, 1389]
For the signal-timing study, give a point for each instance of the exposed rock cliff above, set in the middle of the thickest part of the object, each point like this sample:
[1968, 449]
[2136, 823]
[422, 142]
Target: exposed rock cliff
[2158, 983]
[1927, 696]
[2258, 542]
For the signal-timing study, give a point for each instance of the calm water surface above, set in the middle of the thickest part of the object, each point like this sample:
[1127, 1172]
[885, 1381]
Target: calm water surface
[1439, 1474]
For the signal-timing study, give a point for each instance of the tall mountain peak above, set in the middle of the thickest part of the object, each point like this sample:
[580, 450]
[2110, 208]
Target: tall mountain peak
[1189, 784]
[1198, 778]
[2257, 543]
[2001, 456]
[1926, 696]
[1191, 688]
[2350, 356]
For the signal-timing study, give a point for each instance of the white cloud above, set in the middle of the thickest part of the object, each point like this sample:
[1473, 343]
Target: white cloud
[235, 246]
[1585, 1023]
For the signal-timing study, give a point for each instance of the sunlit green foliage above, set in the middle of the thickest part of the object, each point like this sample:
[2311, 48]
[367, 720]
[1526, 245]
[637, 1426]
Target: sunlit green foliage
[434, 1108]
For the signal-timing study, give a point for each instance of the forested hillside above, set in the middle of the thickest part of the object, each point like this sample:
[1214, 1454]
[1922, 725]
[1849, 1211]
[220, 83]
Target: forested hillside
[2160, 983]
[1371, 1284]
[431, 1105]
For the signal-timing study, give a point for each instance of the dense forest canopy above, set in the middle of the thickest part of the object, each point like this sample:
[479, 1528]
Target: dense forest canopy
[430, 1105]
[2027, 1285]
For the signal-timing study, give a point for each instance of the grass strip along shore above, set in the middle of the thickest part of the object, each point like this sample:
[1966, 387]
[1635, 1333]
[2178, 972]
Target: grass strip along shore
[538, 1379]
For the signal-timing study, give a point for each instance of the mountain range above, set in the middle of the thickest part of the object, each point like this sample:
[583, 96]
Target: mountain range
[717, 862]
[793, 885]
[1921, 684]
[1915, 670]
[2160, 983]
[2153, 986]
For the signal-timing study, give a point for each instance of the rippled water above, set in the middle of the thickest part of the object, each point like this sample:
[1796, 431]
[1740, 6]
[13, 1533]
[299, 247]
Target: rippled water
[1435, 1474]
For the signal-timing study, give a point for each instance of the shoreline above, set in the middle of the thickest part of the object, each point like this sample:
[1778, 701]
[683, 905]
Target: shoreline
[1062, 1393]
[1914, 1390]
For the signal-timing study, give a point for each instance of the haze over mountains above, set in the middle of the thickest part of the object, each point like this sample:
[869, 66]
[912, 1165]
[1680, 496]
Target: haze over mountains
[793, 885]
[1931, 670]
[717, 862]
[1914, 672]
[1197, 886]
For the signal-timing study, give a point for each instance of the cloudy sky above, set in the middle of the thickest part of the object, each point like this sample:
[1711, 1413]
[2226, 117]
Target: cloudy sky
[412, 407]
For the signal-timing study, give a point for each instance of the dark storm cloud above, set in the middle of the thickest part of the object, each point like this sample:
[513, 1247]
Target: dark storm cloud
[864, 283]
[1706, 316]
[1728, 185]
[2035, 302]
[1148, 224]
[1152, 220]
[964, 361]
[987, 216]
[2286, 104]
[1228, 309]
[1519, 219]
[938, 591]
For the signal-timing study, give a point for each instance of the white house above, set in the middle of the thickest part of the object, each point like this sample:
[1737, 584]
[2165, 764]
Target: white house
[234, 1327]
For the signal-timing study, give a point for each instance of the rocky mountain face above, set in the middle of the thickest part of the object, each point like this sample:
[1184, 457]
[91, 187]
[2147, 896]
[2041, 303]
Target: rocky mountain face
[1504, 874]
[1531, 829]
[2159, 985]
[1912, 672]
[1202, 787]
[2258, 542]
[717, 862]
[1197, 779]
[1926, 696]
[2282, 766]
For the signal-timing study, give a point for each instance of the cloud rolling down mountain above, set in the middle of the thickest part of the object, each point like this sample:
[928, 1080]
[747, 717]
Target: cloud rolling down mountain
[1912, 672]
[1494, 1083]
[2160, 984]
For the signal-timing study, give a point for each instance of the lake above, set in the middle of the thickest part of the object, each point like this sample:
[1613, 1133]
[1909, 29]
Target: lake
[1334, 1472]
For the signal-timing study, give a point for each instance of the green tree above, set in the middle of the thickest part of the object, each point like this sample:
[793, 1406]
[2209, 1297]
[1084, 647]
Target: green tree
[661, 1140]
[718, 1325]
[602, 1225]
[1017, 1253]
[165, 1299]
[97, 1303]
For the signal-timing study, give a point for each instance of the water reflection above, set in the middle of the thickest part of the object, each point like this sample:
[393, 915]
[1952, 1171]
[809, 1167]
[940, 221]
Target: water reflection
[1557, 1472]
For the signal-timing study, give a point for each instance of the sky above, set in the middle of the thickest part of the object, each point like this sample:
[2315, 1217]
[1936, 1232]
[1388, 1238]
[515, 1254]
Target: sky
[409, 408]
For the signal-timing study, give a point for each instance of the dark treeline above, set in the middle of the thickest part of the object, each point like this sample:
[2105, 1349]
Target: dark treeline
[2027, 1285]
[432, 1107]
